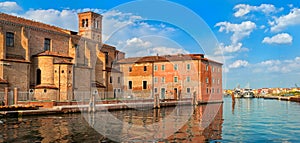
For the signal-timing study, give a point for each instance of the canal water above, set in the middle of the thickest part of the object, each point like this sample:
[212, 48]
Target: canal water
[245, 120]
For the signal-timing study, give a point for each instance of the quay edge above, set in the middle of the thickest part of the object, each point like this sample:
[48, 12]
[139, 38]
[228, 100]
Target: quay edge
[98, 107]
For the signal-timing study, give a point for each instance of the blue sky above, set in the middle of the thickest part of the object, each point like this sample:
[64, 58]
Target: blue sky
[258, 40]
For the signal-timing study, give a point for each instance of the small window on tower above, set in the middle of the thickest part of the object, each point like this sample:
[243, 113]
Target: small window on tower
[82, 23]
[86, 23]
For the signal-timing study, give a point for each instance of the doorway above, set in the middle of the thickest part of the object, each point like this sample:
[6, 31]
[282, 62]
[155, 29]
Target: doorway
[175, 93]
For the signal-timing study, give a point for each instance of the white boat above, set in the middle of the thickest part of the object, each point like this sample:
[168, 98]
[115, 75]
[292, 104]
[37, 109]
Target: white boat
[248, 93]
[237, 93]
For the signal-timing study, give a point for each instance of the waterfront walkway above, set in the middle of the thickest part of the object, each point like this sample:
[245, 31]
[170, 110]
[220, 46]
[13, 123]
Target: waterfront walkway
[97, 107]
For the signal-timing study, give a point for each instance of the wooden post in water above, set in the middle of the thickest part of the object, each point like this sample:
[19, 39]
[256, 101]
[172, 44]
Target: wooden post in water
[92, 102]
[194, 99]
[6, 96]
[15, 96]
[156, 101]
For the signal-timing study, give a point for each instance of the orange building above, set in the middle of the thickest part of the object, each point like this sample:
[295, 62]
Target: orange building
[172, 77]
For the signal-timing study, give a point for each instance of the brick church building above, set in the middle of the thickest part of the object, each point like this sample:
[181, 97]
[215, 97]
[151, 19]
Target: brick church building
[55, 63]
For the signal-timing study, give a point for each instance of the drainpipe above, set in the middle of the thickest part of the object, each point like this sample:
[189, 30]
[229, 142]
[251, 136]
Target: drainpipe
[152, 79]
[199, 78]
[59, 82]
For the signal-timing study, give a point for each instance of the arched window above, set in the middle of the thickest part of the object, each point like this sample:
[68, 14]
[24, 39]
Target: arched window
[82, 23]
[86, 23]
[38, 76]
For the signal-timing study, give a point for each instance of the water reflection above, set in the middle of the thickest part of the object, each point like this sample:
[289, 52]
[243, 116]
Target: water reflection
[166, 124]
[163, 125]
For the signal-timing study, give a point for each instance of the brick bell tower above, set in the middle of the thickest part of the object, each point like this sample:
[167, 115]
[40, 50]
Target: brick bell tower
[90, 25]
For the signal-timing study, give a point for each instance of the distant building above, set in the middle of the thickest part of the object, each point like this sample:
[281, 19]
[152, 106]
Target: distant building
[172, 77]
[57, 64]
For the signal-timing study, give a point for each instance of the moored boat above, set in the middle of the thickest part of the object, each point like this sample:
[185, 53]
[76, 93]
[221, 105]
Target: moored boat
[248, 93]
[237, 93]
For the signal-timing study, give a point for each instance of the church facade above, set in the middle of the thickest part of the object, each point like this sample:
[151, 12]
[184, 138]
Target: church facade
[55, 63]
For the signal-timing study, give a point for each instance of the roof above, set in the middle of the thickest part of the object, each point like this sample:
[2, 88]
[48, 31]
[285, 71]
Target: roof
[20, 20]
[112, 70]
[50, 86]
[53, 54]
[212, 61]
[98, 84]
[3, 81]
[63, 62]
[164, 58]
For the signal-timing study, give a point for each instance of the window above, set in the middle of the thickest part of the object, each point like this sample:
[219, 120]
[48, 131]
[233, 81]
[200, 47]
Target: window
[188, 79]
[188, 66]
[106, 57]
[110, 79]
[206, 68]
[155, 90]
[155, 68]
[163, 80]
[162, 67]
[207, 80]
[213, 80]
[213, 69]
[10, 39]
[144, 84]
[129, 84]
[38, 76]
[86, 23]
[213, 90]
[155, 79]
[145, 68]
[130, 69]
[119, 79]
[175, 67]
[218, 81]
[218, 90]
[175, 79]
[206, 90]
[119, 90]
[188, 90]
[47, 43]
[82, 23]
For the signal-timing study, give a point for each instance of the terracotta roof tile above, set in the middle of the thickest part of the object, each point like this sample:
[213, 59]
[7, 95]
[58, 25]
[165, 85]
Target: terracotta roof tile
[50, 86]
[98, 84]
[164, 58]
[3, 81]
[63, 62]
[54, 54]
[20, 20]
[112, 70]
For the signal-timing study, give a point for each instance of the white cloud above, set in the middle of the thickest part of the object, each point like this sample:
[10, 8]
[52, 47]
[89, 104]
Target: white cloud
[136, 42]
[282, 38]
[66, 19]
[239, 64]
[115, 20]
[139, 47]
[262, 27]
[278, 66]
[270, 62]
[244, 9]
[9, 7]
[280, 23]
[224, 49]
[239, 30]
